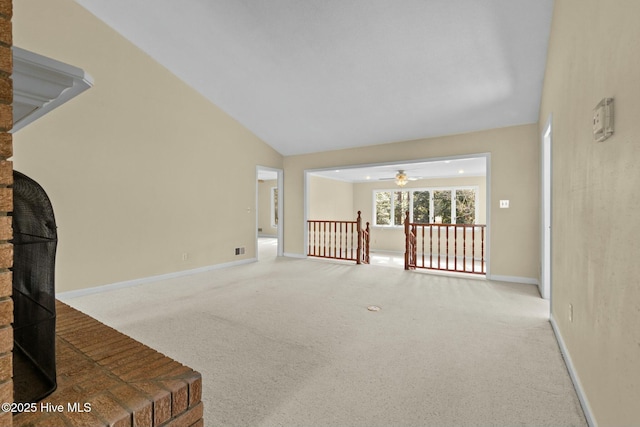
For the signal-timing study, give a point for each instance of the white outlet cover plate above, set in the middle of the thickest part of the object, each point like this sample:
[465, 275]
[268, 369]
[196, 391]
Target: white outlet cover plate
[504, 204]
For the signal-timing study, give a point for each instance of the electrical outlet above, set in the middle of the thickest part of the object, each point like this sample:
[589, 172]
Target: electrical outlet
[185, 256]
[240, 251]
[504, 204]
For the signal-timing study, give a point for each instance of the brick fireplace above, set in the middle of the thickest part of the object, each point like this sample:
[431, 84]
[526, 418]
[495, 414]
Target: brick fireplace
[6, 204]
[105, 378]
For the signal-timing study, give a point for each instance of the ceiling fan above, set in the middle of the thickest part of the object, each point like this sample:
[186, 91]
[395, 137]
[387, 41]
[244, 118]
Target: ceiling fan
[400, 178]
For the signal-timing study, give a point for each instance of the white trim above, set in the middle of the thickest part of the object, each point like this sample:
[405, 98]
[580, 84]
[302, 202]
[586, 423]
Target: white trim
[271, 236]
[385, 251]
[305, 213]
[514, 279]
[298, 256]
[280, 186]
[401, 162]
[577, 384]
[41, 84]
[64, 296]
[488, 203]
[546, 220]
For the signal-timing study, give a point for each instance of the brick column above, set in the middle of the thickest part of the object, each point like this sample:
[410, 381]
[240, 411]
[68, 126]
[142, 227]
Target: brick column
[6, 206]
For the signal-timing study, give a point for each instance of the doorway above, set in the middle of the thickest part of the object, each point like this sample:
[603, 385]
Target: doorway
[269, 218]
[436, 190]
[545, 280]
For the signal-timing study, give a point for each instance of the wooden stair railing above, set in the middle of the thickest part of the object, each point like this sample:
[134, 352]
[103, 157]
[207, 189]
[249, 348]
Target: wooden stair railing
[343, 240]
[363, 242]
[410, 245]
[446, 247]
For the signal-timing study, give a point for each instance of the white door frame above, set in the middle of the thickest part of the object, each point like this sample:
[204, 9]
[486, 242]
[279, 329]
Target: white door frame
[545, 256]
[280, 185]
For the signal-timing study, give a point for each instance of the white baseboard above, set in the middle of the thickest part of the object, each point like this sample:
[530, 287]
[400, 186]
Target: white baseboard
[291, 255]
[385, 252]
[514, 279]
[64, 296]
[584, 402]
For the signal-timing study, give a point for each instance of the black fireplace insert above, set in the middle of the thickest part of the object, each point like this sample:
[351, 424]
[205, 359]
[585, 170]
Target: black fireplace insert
[34, 243]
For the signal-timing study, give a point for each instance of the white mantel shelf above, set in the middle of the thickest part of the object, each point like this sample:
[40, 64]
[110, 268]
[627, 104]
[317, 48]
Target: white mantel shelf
[41, 84]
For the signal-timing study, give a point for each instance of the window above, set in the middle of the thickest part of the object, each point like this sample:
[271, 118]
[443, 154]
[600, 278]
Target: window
[442, 206]
[383, 208]
[400, 206]
[455, 205]
[391, 207]
[466, 206]
[421, 206]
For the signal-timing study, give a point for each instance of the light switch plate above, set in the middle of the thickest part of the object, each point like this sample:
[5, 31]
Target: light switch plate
[603, 120]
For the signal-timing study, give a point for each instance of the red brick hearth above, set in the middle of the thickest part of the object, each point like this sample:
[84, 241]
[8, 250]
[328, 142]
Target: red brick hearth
[106, 378]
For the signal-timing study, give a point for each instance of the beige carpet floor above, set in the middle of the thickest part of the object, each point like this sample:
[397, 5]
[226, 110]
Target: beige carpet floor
[290, 342]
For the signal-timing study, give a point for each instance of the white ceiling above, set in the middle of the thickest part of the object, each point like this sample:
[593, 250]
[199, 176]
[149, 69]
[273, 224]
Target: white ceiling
[316, 75]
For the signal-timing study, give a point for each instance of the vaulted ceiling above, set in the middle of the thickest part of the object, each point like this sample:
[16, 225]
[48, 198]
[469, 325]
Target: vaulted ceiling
[317, 75]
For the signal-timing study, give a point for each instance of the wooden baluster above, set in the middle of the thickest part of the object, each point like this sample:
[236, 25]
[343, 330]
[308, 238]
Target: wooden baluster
[414, 245]
[447, 249]
[324, 238]
[336, 238]
[356, 236]
[464, 250]
[455, 248]
[407, 244]
[439, 227]
[329, 224]
[341, 238]
[359, 231]
[483, 267]
[422, 246]
[473, 249]
[430, 245]
[332, 251]
[351, 234]
[345, 239]
[368, 242]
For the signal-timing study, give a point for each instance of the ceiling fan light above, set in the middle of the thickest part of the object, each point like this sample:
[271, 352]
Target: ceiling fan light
[401, 179]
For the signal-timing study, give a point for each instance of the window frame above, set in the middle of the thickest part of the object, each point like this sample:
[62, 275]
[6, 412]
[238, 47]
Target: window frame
[431, 190]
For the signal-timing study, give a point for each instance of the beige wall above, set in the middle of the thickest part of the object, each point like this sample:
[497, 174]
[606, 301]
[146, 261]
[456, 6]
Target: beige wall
[515, 175]
[330, 200]
[392, 238]
[264, 208]
[137, 167]
[594, 52]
